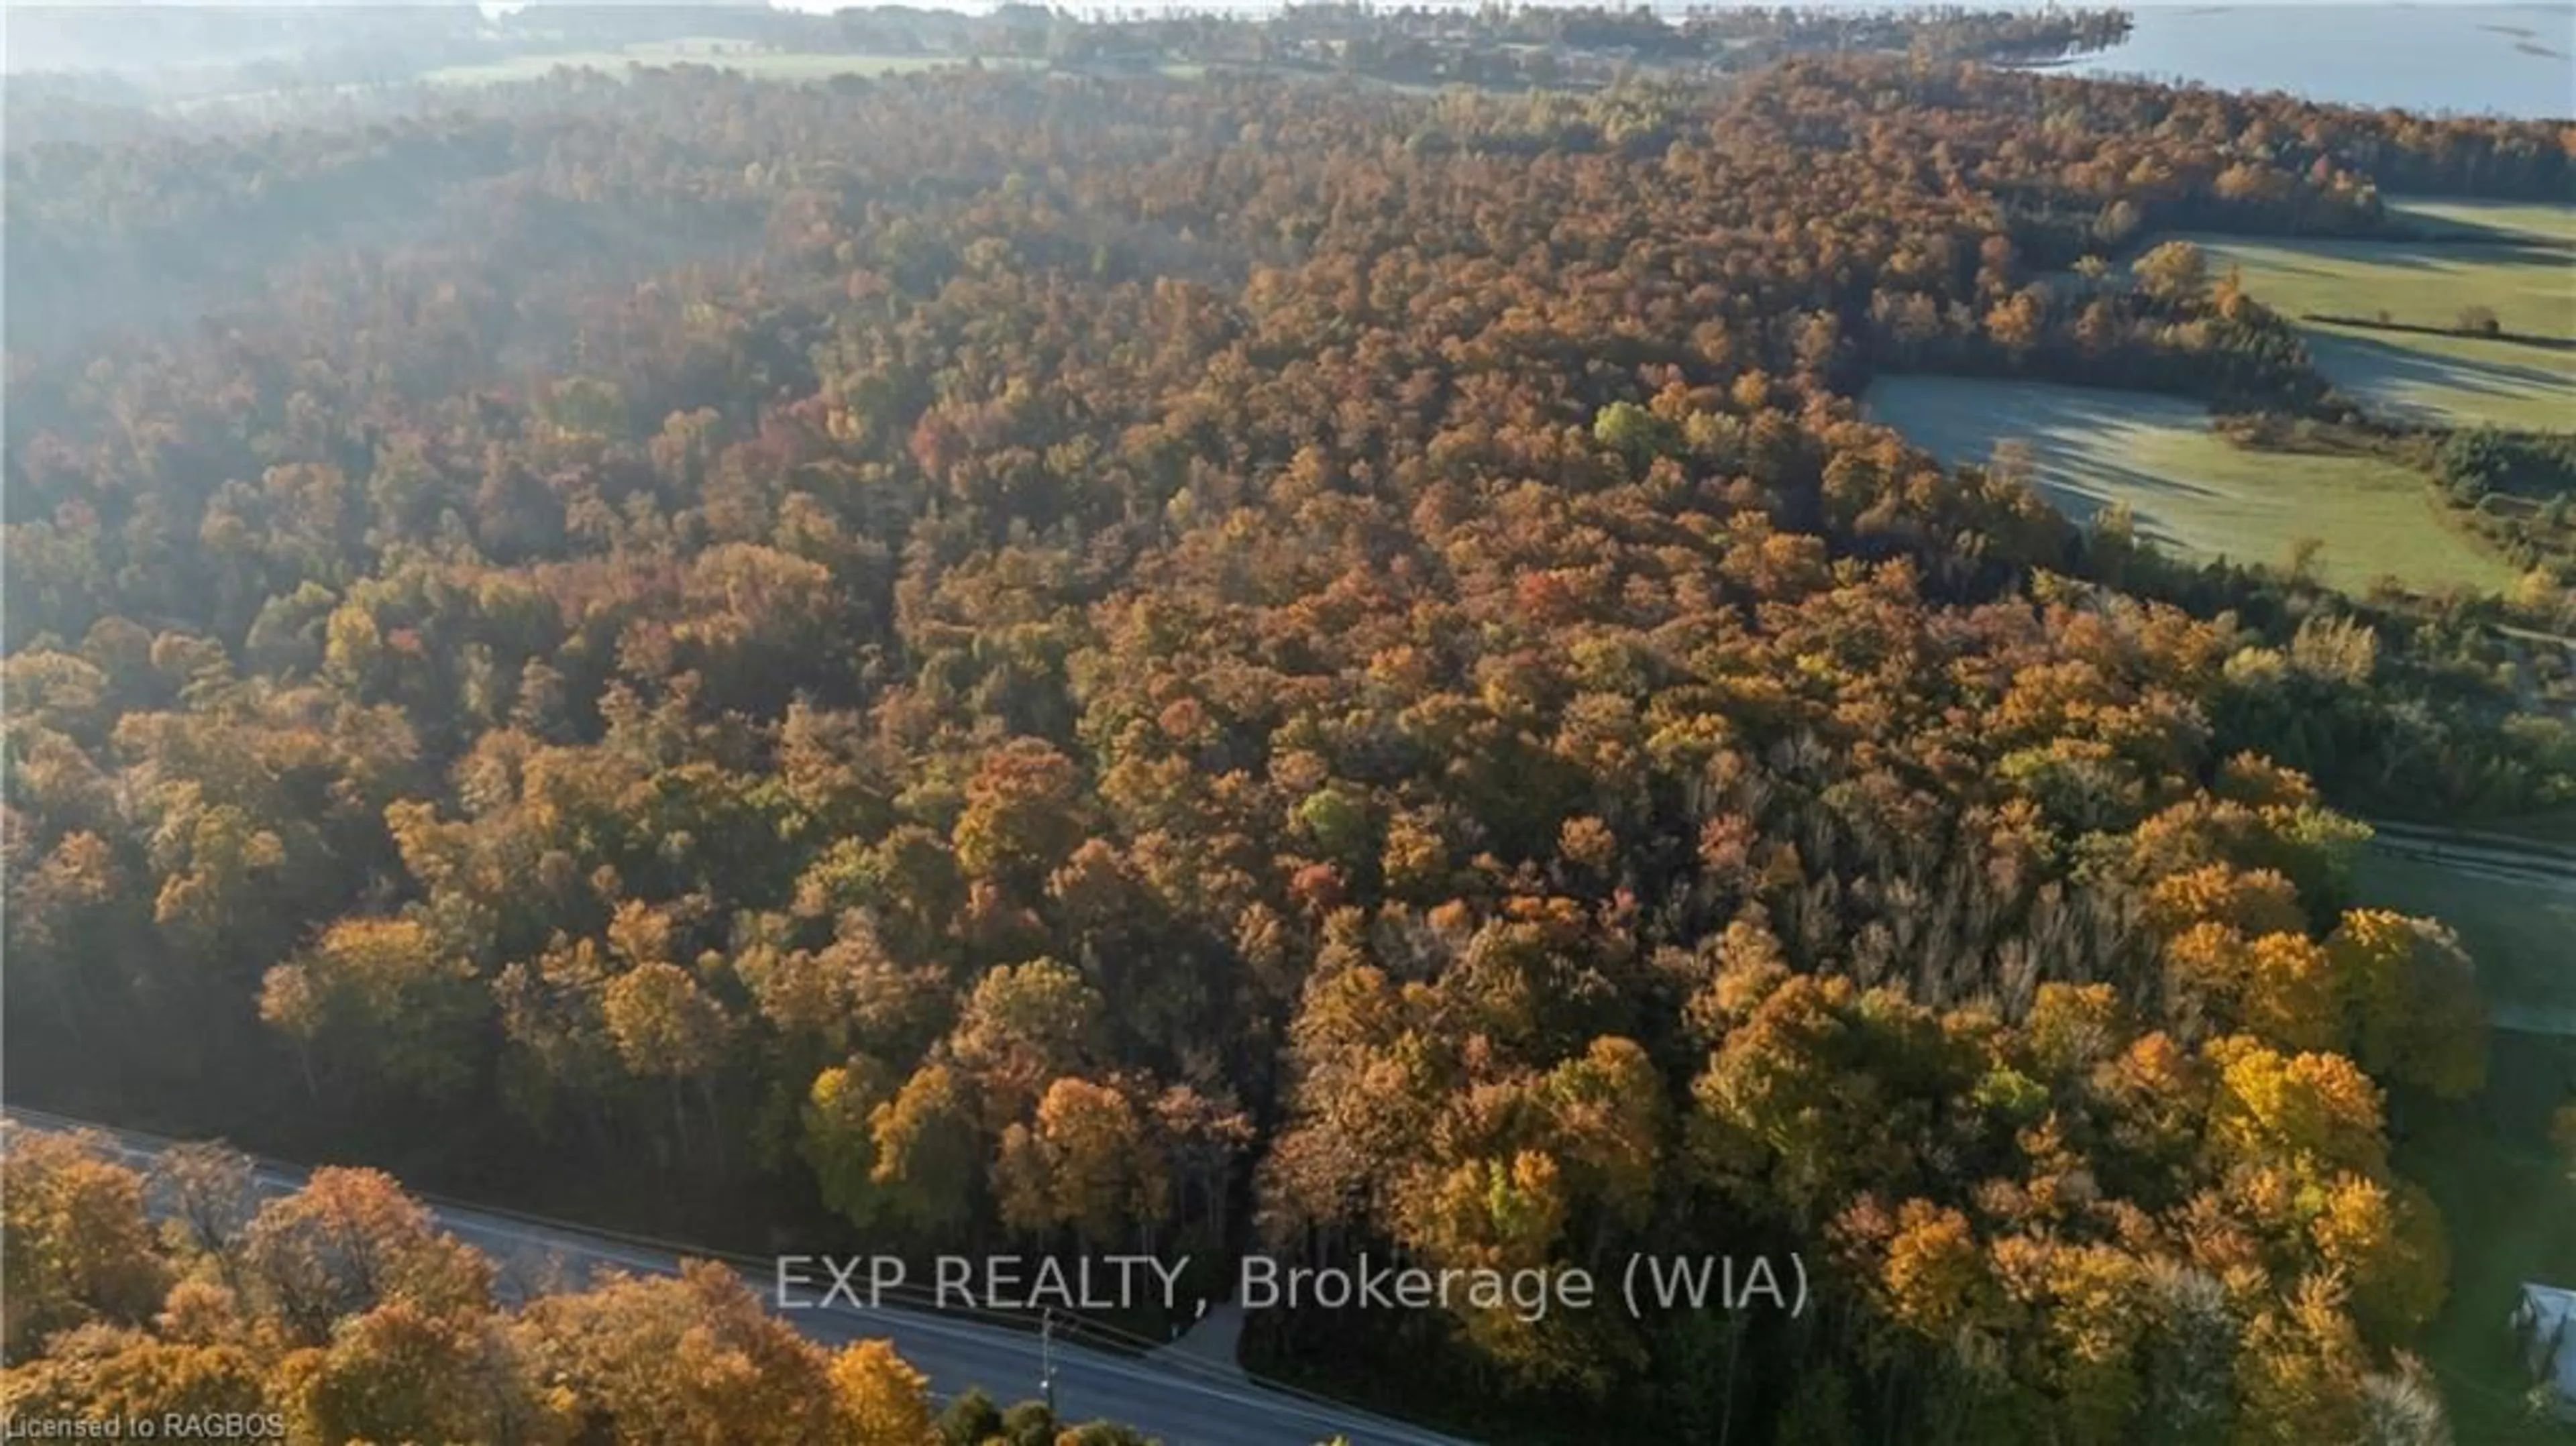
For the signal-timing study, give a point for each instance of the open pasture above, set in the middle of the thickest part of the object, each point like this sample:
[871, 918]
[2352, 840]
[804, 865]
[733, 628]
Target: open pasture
[2188, 488]
[2500, 220]
[2393, 344]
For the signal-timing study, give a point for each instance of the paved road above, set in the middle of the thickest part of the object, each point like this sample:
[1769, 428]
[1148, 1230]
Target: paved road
[1180, 1402]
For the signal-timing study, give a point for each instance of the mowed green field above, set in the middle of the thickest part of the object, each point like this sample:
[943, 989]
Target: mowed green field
[725, 54]
[2189, 489]
[2515, 219]
[2523, 268]
[2508, 1204]
[2508, 1201]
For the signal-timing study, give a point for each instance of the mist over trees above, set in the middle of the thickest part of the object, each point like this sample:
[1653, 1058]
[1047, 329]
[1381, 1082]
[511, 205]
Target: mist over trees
[1072, 663]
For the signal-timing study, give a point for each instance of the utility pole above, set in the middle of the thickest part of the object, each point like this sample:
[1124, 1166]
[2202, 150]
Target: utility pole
[1046, 1358]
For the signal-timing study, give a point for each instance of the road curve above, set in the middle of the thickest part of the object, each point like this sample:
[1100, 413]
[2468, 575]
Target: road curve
[1171, 1400]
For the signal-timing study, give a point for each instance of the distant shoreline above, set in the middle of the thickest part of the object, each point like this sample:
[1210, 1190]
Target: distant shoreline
[2504, 60]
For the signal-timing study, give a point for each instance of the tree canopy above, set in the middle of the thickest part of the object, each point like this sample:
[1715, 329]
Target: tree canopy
[1082, 663]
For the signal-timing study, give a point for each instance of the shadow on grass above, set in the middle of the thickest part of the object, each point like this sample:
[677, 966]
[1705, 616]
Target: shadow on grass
[2083, 443]
[2187, 487]
[2425, 227]
[2509, 1211]
[2410, 328]
[2386, 370]
[2490, 247]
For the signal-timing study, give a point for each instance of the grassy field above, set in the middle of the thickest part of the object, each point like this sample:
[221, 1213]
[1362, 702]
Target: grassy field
[2554, 826]
[2515, 219]
[729, 55]
[2508, 1202]
[2522, 931]
[2188, 488]
[2509, 1208]
[2523, 269]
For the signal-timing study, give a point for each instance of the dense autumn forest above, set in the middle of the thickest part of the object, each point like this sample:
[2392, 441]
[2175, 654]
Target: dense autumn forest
[1077, 662]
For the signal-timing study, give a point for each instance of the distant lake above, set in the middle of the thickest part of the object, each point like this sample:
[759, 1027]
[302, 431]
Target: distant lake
[2513, 60]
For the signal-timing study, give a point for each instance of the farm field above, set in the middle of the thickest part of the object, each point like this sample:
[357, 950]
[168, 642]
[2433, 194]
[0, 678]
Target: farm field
[2188, 488]
[725, 54]
[2525, 273]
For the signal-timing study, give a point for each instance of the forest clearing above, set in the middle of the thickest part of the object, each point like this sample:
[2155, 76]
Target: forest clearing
[2189, 488]
[2404, 344]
